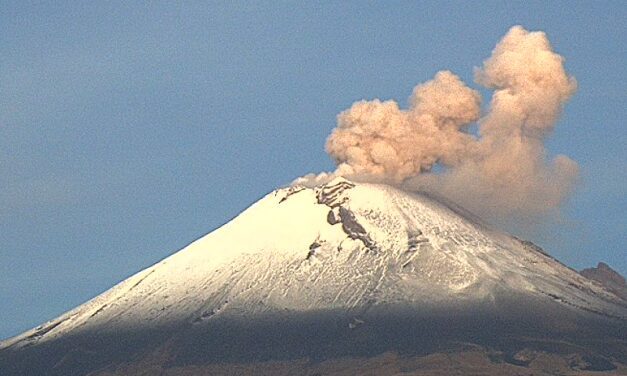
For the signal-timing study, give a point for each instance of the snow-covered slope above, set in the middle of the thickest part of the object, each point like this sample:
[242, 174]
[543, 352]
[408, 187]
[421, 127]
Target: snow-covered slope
[341, 269]
[341, 246]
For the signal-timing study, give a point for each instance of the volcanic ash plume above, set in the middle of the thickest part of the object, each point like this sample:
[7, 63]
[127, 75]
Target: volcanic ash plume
[378, 140]
[502, 171]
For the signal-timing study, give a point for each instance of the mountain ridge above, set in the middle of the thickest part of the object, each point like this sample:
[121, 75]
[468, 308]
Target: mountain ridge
[608, 278]
[362, 262]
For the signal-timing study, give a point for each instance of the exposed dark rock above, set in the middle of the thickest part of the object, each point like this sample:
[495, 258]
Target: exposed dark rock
[333, 218]
[312, 249]
[291, 191]
[354, 230]
[532, 247]
[414, 239]
[332, 195]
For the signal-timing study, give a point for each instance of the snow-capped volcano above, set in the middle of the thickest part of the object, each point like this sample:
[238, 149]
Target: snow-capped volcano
[345, 253]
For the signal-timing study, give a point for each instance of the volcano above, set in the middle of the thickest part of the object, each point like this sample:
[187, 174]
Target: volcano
[341, 278]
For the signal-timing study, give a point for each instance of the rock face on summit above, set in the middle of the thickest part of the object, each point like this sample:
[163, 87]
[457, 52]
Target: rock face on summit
[332, 277]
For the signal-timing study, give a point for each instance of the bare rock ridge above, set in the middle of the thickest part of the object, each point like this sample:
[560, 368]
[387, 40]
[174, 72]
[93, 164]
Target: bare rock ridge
[608, 278]
[317, 279]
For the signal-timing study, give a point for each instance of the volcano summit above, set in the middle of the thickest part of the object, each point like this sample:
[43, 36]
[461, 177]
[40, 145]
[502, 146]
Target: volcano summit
[335, 277]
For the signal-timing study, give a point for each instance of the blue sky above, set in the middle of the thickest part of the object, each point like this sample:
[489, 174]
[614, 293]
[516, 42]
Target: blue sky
[129, 130]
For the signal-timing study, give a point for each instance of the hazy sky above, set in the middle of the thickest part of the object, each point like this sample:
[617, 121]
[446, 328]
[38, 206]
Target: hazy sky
[128, 131]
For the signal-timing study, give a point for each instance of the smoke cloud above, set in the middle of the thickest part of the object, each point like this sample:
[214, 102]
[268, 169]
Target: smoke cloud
[501, 172]
[381, 141]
